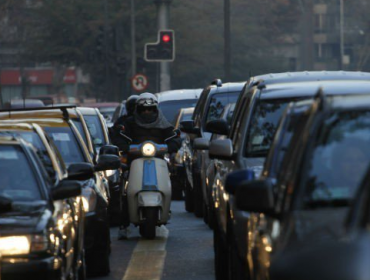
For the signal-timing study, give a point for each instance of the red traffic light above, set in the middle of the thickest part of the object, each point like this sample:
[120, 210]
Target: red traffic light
[166, 38]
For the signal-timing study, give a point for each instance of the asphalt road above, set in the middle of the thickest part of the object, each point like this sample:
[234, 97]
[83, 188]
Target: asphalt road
[183, 250]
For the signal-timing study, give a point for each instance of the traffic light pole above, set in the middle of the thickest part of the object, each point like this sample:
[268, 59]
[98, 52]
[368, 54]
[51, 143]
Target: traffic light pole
[163, 24]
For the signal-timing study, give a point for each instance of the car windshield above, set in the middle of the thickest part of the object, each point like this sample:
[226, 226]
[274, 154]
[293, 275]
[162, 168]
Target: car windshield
[16, 185]
[96, 130]
[172, 107]
[107, 113]
[35, 140]
[263, 125]
[80, 129]
[218, 102]
[339, 159]
[66, 143]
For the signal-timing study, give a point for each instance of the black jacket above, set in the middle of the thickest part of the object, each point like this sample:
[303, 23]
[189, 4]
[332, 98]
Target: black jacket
[127, 131]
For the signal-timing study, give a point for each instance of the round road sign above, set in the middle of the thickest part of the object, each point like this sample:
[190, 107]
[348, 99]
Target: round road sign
[139, 82]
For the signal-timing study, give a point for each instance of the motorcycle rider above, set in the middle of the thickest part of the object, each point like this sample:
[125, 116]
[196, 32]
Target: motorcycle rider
[146, 123]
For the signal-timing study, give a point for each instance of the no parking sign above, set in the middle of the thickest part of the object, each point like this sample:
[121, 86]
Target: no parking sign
[139, 82]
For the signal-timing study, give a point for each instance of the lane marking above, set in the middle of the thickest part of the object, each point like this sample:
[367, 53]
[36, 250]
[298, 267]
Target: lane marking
[148, 258]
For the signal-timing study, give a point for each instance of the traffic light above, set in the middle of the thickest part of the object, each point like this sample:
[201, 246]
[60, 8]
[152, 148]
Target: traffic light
[163, 49]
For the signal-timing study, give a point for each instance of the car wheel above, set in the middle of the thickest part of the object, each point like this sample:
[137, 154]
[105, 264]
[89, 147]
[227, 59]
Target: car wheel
[189, 198]
[99, 264]
[205, 214]
[211, 217]
[198, 197]
[177, 187]
[81, 272]
[221, 257]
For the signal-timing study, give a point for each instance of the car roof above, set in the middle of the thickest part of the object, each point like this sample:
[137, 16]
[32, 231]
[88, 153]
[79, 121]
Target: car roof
[227, 87]
[291, 90]
[87, 111]
[101, 105]
[178, 94]
[349, 102]
[35, 114]
[306, 76]
[188, 110]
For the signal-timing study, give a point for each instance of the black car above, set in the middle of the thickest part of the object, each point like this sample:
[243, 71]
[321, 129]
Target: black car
[70, 144]
[257, 113]
[210, 106]
[37, 231]
[318, 177]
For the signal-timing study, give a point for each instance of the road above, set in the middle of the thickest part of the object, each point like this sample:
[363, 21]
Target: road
[183, 250]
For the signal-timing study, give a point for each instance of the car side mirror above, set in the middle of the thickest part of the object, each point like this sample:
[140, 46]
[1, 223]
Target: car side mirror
[66, 189]
[219, 126]
[109, 150]
[189, 127]
[107, 162]
[80, 171]
[201, 144]
[256, 196]
[221, 149]
[236, 178]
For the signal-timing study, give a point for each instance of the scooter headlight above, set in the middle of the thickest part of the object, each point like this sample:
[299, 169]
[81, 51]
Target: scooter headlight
[148, 150]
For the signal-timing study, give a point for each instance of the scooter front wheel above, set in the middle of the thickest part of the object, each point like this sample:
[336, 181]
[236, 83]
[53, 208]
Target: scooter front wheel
[148, 227]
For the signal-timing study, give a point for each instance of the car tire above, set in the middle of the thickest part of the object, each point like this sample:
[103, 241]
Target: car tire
[189, 198]
[198, 196]
[221, 257]
[205, 213]
[99, 264]
[81, 272]
[211, 217]
[177, 187]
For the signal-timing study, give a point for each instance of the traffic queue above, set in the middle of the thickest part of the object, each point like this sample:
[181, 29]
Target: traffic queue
[281, 174]
[277, 166]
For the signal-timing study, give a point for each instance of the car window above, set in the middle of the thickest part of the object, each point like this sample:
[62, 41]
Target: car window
[80, 129]
[218, 102]
[96, 130]
[66, 143]
[107, 113]
[34, 139]
[339, 159]
[172, 107]
[262, 127]
[16, 185]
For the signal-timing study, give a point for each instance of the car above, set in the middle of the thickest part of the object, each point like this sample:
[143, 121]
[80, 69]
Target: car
[320, 173]
[177, 168]
[99, 135]
[210, 165]
[172, 101]
[119, 111]
[211, 103]
[256, 116]
[37, 231]
[63, 132]
[349, 257]
[106, 109]
[57, 171]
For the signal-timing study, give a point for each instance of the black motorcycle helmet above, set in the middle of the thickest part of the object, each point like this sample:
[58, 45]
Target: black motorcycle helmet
[131, 104]
[147, 107]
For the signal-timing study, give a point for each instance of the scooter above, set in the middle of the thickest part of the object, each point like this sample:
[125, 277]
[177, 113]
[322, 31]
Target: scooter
[148, 188]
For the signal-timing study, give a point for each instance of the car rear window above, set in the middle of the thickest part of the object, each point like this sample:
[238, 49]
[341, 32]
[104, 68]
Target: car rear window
[66, 143]
[218, 102]
[17, 178]
[171, 108]
[96, 130]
